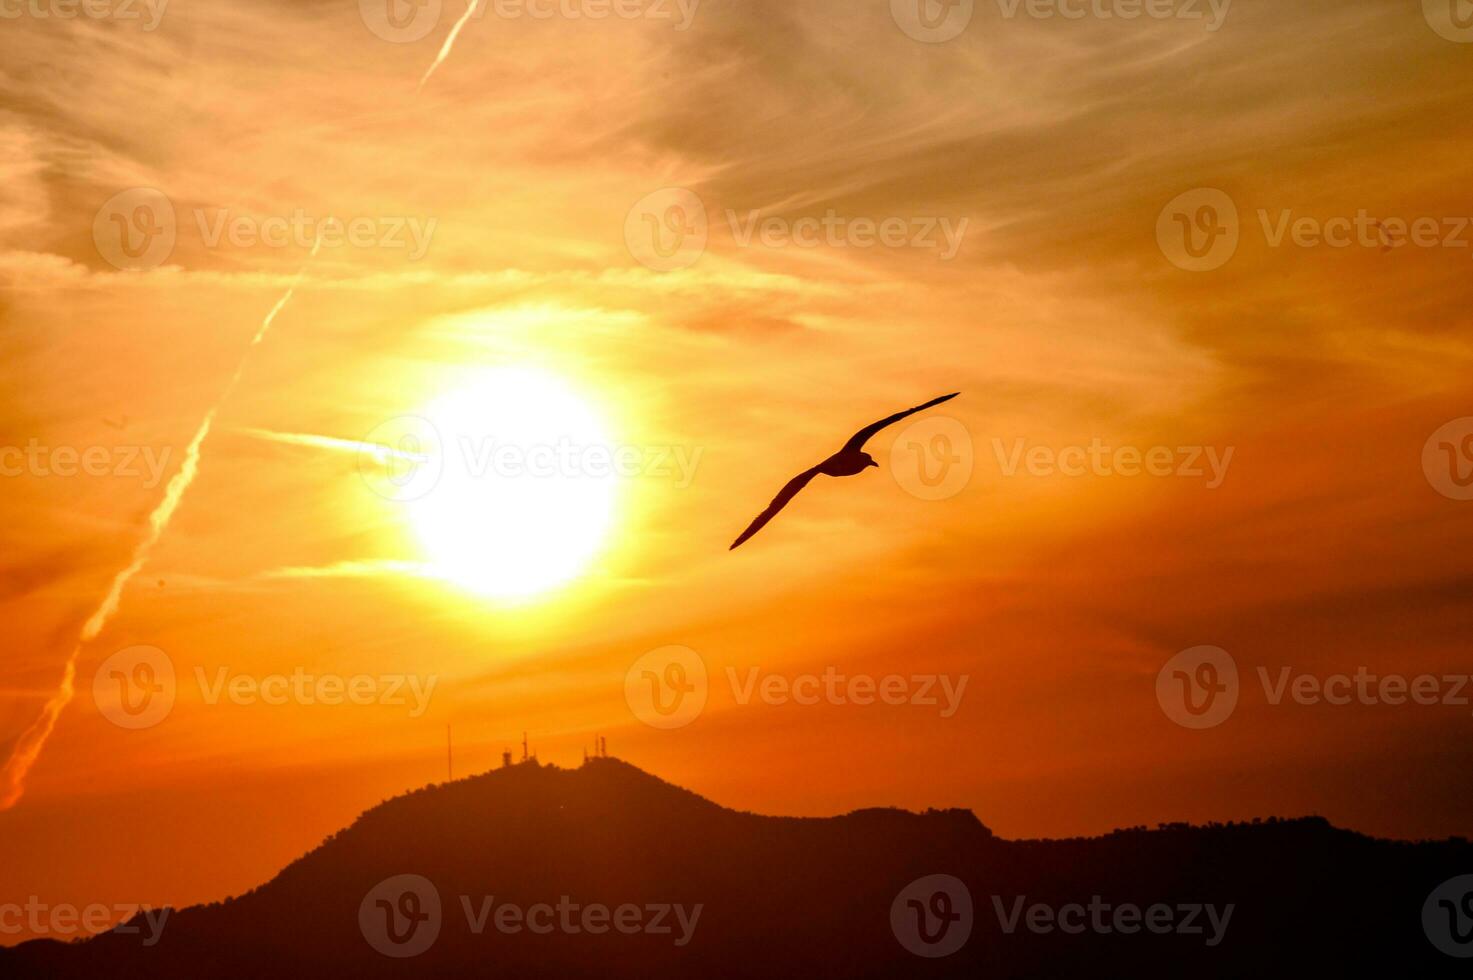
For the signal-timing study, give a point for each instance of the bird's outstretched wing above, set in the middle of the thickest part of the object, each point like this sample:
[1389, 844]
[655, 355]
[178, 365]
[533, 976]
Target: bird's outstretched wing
[787, 493]
[856, 442]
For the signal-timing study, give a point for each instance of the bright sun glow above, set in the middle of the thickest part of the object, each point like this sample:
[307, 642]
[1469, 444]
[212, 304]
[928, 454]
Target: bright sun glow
[521, 504]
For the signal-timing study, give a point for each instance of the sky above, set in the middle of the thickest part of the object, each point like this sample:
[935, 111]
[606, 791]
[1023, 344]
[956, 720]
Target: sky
[1201, 280]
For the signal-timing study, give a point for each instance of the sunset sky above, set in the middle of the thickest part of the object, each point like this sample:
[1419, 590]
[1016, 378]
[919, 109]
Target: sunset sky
[527, 162]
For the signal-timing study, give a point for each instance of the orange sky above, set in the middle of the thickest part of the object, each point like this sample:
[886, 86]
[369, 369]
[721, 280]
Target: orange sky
[1325, 548]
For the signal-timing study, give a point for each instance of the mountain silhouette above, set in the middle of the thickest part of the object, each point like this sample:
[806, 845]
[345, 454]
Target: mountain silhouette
[752, 895]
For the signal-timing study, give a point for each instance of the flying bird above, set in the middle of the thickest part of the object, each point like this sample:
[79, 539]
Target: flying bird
[848, 461]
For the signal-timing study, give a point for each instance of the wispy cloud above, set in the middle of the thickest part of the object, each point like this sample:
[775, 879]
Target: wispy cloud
[376, 451]
[365, 568]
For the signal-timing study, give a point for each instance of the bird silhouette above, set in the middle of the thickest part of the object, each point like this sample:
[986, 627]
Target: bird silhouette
[848, 461]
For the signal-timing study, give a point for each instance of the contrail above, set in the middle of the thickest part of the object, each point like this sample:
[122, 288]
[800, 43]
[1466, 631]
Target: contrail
[449, 43]
[33, 740]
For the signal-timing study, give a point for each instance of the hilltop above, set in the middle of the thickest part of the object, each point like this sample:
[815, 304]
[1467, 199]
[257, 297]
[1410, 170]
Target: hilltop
[748, 895]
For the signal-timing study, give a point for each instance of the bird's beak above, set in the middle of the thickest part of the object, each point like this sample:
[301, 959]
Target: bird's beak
[874, 464]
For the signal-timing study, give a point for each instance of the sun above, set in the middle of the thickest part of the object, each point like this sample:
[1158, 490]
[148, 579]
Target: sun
[523, 498]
